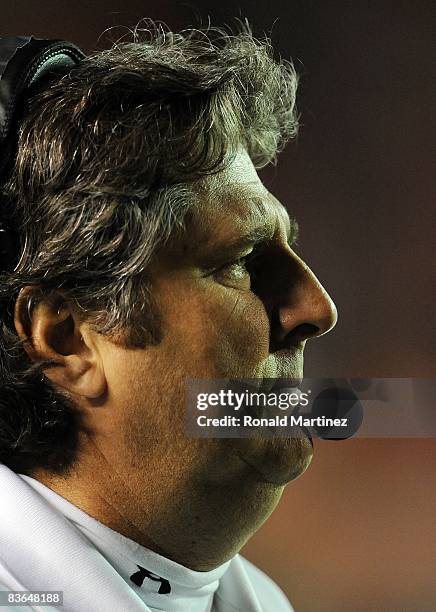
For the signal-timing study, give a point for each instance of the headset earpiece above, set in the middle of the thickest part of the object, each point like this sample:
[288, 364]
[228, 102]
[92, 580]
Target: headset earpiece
[26, 63]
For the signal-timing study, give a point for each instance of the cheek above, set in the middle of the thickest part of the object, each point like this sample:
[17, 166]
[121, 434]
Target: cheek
[242, 341]
[220, 332]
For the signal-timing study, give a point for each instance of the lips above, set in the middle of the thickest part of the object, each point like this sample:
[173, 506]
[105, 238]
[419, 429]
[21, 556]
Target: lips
[280, 382]
[288, 385]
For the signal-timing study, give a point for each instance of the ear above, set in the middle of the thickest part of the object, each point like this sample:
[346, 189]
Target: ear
[53, 330]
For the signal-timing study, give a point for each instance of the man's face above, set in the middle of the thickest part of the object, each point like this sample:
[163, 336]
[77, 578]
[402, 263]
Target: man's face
[235, 302]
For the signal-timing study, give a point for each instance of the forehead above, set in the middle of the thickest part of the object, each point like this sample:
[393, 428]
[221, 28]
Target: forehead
[233, 201]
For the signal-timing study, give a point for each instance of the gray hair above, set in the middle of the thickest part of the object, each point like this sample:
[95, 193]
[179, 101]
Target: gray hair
[102, 180]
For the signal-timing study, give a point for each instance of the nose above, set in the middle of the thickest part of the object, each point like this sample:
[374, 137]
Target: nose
[303, 308]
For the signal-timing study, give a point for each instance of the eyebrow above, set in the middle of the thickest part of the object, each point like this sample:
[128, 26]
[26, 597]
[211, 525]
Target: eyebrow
[263, 233]
[255, 236]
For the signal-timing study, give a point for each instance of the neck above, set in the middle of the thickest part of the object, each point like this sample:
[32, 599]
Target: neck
[197, 525]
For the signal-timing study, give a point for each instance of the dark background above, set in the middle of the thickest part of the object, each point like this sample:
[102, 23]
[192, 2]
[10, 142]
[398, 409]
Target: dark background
[356, 532]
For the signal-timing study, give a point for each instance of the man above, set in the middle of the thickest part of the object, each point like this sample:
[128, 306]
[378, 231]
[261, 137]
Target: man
[151, 254]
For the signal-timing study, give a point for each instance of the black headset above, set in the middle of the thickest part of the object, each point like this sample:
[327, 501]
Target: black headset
[27, 64]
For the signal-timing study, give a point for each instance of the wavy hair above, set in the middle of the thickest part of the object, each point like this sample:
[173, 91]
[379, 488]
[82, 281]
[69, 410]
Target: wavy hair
[100, 182]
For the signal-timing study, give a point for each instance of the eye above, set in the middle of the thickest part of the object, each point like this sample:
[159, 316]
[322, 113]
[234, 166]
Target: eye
[237, 268]
[238, 272]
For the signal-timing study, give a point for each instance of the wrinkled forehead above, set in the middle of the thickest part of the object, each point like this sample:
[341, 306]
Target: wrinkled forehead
[233, 201]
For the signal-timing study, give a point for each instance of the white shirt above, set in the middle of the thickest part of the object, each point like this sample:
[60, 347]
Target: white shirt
[47, 543]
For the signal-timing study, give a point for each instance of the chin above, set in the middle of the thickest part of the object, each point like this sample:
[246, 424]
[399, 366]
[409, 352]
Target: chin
[277, 461]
